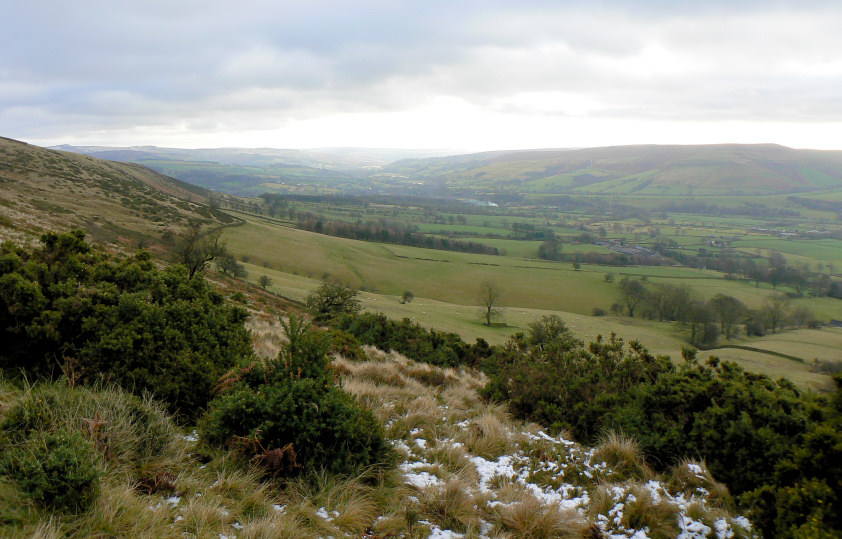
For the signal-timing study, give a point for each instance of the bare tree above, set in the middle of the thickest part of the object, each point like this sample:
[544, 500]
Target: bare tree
[728, 311]
[775, 310]
[489, 297]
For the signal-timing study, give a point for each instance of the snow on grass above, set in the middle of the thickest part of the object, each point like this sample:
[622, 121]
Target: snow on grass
[564, 477]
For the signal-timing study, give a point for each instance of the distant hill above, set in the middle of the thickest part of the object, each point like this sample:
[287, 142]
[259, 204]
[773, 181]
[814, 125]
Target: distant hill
[253, 171]
[727, 169]
[119, 203]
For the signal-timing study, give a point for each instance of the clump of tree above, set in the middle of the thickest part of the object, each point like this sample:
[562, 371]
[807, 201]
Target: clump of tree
[290, 416]
[332, 299]
[264, 282]
[777, 449]
[68, 309]
[706, 321]
[228, 265]
[550, 249]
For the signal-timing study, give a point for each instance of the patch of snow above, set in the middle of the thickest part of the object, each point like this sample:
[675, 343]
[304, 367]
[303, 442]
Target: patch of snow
[422, 480]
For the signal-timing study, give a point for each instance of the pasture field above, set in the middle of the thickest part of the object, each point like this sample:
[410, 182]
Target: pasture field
[445, 284]
[455, 277]
[659, 337]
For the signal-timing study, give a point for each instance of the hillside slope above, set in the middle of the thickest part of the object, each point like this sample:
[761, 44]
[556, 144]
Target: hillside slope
[118, 203]
[726, 169]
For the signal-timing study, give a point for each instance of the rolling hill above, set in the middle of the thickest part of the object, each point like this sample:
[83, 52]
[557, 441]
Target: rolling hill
[728, 169]
[651, 170]
[118, 203]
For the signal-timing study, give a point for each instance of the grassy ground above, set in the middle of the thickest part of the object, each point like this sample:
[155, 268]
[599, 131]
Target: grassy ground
[465, 469]
[454, 277]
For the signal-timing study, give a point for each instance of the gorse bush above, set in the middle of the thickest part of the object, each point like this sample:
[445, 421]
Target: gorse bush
[289, 414]
[776, 448]
[410, 339]
[68, 309]
[59, 470]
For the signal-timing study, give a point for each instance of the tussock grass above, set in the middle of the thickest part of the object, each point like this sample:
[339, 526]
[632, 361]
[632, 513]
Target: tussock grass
[489, 436]
[453, 458]
[120, 512]
[49, 529]
[623, 456]
[135, 435]
[278, 525]
[643, 510]
[204, 516]
[693, 475]
[450, 505]
[349, 502]
[530, 518]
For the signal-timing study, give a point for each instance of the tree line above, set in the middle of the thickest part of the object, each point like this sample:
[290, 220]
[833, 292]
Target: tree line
[776, 271]
[706, 321]
[386, 231]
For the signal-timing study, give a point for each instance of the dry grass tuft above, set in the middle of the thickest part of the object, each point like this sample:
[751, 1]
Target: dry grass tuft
[121, 512]
[623, 456]
[351, 498]
[692, 475]
[530, 518]
[644, 511]
[450, 506]
[489, 436]
[453, 458]
[278, 525]
[204, 516]
[601, 500]
[49, 529]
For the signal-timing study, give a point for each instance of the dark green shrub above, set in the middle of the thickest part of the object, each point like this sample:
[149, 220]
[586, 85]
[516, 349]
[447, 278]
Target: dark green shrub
[777, 449]
[67, 309]
[346, 345]
[290, 415]
[333, 299]
[59, 471]
[410, 339]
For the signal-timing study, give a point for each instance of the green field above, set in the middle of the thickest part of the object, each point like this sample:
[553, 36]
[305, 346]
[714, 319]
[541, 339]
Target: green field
[446, 283]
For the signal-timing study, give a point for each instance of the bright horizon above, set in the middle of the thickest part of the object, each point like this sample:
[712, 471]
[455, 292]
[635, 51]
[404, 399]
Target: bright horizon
[460, 77]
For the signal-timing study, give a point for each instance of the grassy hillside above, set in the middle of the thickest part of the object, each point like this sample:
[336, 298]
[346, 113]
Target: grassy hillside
[639, 170]
[118, 203]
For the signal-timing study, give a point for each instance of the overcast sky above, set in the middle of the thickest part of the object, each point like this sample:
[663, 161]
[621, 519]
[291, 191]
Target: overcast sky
[472, 75]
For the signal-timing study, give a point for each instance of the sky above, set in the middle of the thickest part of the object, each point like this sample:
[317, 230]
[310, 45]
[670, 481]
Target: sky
[462, 75]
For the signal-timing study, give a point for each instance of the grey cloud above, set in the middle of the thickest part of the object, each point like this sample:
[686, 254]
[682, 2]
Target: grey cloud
[211, 65]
